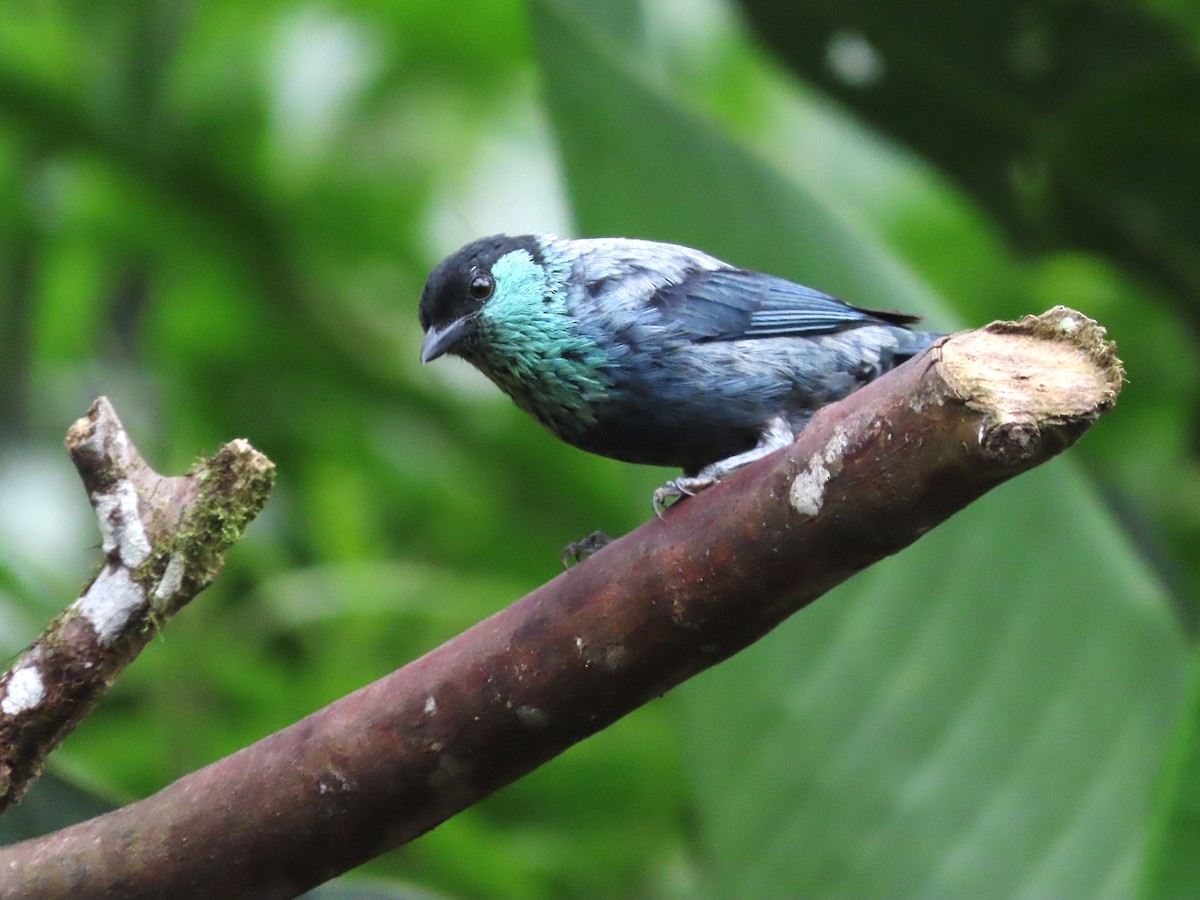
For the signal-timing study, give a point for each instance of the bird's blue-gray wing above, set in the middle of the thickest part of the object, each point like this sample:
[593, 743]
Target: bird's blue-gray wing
[734, 304]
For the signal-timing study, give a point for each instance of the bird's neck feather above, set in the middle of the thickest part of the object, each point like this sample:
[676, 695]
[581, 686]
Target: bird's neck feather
[532, 349]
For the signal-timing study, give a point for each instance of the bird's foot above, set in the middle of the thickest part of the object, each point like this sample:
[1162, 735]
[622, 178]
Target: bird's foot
[577, 551]
[775, 435]
[678, 488]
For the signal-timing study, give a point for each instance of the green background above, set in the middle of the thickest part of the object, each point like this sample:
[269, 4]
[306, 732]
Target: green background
[220, 215]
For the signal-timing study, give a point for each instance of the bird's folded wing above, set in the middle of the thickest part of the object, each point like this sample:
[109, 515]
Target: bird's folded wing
[733, 304]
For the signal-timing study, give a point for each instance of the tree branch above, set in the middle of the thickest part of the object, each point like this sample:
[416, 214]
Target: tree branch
[164, 541]
[381, 766]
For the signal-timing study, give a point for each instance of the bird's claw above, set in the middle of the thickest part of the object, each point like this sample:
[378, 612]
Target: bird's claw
[658, 502]
[676, 488]
[578, 551]
[776, 435]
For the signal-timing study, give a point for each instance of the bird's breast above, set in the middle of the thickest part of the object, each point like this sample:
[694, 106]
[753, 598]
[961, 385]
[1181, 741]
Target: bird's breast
[561, 381]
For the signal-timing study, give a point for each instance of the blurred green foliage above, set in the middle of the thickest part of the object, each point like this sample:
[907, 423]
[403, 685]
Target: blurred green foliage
[220, 215]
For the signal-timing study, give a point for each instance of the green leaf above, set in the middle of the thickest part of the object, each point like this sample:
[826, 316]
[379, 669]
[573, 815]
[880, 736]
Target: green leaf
[1173, 858]
[353, 887]
[981, 716]
[1072, 123]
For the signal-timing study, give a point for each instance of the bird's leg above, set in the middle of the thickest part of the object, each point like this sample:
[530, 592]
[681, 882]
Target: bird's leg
[578, 551]
[775, 436]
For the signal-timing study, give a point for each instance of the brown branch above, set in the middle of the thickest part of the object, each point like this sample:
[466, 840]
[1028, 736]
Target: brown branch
[388, 762]
[164, 541]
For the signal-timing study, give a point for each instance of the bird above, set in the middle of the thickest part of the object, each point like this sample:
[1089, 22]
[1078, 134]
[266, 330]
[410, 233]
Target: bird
[655, 353]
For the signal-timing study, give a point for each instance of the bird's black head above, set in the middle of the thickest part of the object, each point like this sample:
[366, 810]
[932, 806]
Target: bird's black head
[459, 286]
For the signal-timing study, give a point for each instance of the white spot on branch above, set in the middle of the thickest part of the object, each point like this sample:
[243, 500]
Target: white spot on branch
[25, 690]
[120, 523]
[171, 581]
[109, 602]
[615, 656]
[334, 781]
[430, 705]
[93, 443]
[533, 716]
[807, 494]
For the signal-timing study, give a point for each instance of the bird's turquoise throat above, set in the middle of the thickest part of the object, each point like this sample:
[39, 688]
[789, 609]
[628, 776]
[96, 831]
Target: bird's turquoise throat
[531, 349]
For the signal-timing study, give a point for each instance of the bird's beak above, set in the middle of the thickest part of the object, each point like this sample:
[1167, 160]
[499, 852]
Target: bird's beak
[439, 340]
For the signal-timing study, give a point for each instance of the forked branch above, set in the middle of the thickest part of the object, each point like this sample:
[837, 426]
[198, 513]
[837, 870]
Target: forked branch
[164, 541]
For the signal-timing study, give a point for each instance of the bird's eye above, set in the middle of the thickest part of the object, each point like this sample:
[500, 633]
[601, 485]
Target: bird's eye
[481, 286]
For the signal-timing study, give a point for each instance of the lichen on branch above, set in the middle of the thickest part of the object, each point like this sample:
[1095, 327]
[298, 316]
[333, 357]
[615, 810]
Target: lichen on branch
[164, 540]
